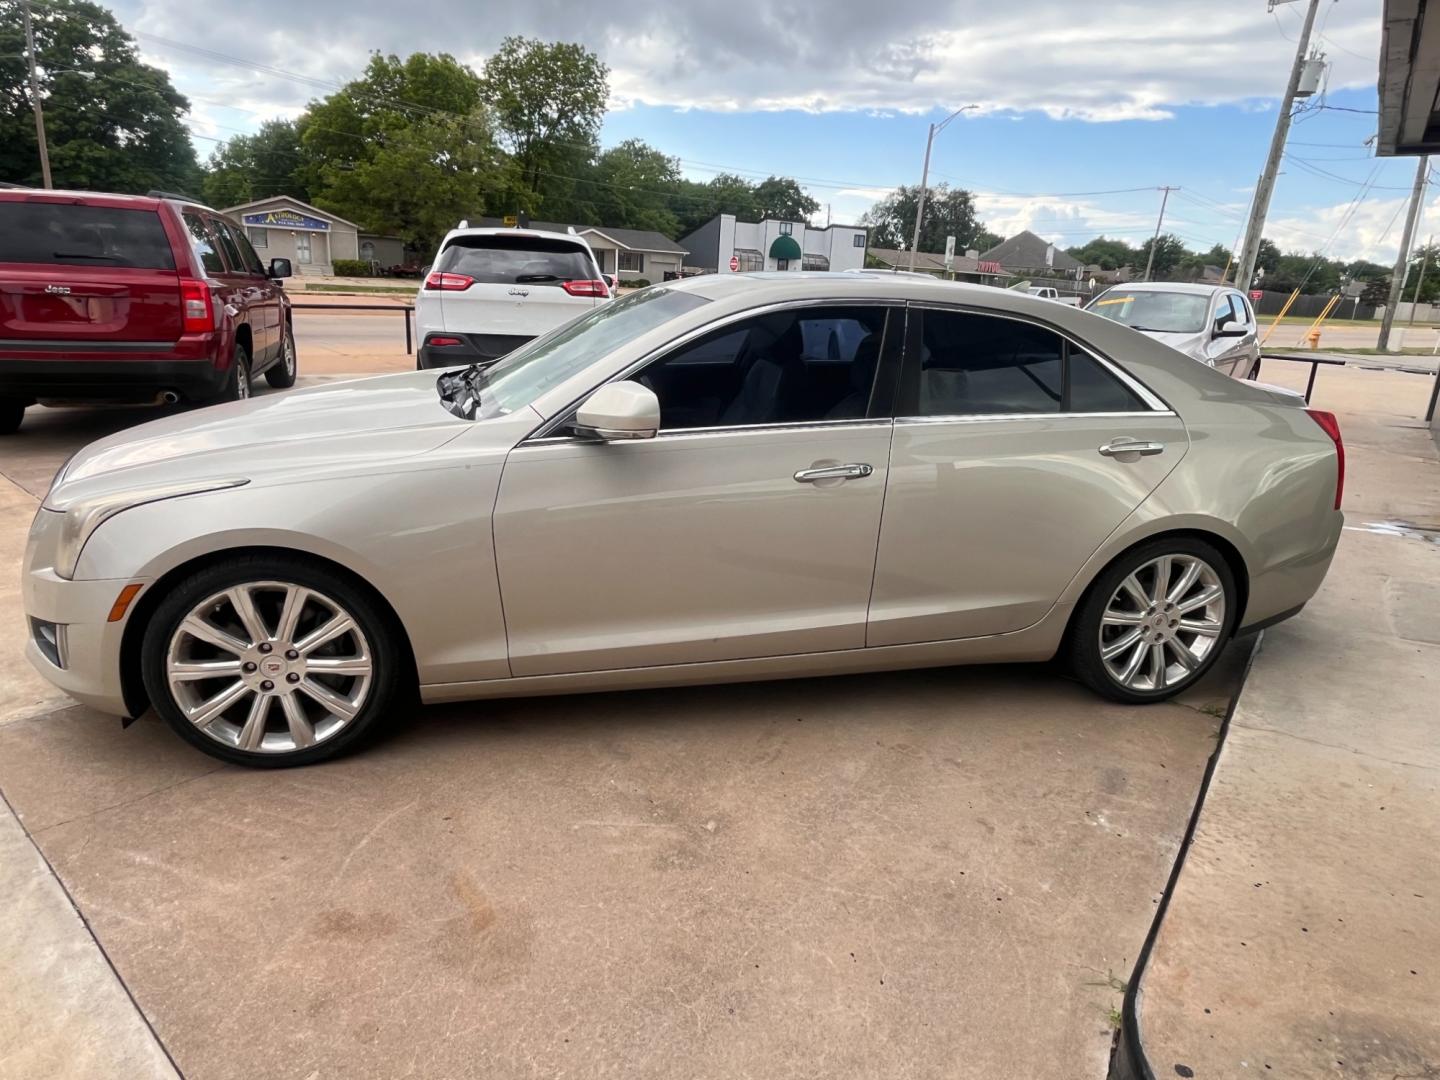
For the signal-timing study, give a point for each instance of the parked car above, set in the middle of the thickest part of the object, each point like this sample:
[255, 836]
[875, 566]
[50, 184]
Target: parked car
[127, 298]
[489, 291]
[733, 477]
[1214, 324]
[1049, 292]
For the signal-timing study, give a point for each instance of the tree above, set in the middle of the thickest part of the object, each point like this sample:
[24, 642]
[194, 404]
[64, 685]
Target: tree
[632, 184]
[1170, 251]
[780, 197]
[544, 96]
[1107, 254]
[408, 148]
[250, 167]
[111, 122]
[1267, 256]
[985, 240]
[948, 212]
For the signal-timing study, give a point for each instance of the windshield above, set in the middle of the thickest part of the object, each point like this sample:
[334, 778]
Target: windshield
[1158, 312]
[519, 378]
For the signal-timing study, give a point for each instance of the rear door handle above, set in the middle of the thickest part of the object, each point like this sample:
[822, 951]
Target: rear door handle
[1121, 446]
[852, 471]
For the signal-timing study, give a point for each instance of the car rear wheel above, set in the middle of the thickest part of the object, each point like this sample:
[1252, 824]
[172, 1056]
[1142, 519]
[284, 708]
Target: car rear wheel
[1155, 621]
[281, 374]
[270, 661]
[12, 412]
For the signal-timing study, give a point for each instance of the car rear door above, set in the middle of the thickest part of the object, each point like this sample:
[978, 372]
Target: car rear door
[513, 283]
[84, 274]
[1008, 469]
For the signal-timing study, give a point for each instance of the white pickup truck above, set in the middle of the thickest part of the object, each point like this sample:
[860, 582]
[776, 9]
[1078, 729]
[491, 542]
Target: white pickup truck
[1053, 294]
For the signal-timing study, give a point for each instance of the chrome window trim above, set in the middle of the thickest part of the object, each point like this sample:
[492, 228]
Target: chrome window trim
[543, 432]
[1148, 396]
[995, 418]
[732, 429]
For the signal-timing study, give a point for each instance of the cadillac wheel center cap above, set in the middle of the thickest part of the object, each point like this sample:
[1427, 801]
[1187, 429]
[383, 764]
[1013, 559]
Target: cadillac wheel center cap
[272, 666]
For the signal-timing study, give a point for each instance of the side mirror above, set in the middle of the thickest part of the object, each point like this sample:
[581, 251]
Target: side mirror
[1230, 328]
[280, 268]
[619, 410]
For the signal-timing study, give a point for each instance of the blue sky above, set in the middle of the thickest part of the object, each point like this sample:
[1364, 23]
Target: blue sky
[1074, 99]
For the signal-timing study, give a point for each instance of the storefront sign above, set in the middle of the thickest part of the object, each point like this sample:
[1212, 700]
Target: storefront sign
[287, 219]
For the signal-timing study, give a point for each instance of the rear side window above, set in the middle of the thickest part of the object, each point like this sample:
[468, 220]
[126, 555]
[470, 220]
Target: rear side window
[516, 260]
[202, 243]
[69, 235]
[1093, 389]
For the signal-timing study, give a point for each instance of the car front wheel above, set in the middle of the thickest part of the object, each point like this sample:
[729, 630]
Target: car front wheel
[1155, 621]
[12, 412]
[270, 661]
[281, 374]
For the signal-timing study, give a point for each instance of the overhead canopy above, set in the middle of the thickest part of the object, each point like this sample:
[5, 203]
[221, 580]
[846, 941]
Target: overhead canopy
[1409, 78]
[785, 247]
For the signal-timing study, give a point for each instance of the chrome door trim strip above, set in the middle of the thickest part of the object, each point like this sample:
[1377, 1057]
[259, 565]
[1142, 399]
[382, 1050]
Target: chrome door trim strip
[1147, 395]
[993, 418]
[739, 429]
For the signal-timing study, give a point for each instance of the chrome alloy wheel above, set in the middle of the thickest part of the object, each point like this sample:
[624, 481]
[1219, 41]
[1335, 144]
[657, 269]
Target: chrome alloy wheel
[269, 667]
[1162, 622]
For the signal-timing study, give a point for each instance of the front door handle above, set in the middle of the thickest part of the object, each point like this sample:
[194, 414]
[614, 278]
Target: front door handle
[1122, 446]
[853, 471]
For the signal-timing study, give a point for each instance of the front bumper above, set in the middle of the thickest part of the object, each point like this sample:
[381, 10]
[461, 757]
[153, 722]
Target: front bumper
[91, 656]
[470, 348]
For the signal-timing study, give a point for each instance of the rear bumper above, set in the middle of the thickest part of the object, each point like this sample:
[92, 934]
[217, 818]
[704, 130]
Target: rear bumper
[472, 348]
[63, 378]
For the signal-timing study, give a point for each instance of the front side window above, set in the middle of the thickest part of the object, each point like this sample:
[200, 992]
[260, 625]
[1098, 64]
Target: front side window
[1154, 310]
[246, 261]
[632, 261]
[985, 365]
[1224, 312]
[203, 244]
[799, 366]
[228, 246]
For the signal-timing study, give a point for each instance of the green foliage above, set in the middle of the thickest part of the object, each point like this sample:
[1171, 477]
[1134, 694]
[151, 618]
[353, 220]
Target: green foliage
[1106, 253]
[250, 167]
[780, 197]
[352, 268]
[630, 187]
[1170, 251]
[111, 122]
[545, 96]
[948, 212]
[635, 283]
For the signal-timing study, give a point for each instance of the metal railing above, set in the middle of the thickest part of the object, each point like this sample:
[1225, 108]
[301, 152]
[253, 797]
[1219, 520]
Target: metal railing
[1314, 362]
[405, 310]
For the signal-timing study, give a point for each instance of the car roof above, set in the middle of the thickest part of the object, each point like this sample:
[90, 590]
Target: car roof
[1194, 288]
[111, 199]
[539, 234]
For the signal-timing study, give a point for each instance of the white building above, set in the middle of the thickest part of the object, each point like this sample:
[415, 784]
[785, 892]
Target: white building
[724, 245]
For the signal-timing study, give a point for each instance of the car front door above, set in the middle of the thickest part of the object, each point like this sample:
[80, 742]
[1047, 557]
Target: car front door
[746, 528]
[250, 292]
[1226, 353]
[1008, 469]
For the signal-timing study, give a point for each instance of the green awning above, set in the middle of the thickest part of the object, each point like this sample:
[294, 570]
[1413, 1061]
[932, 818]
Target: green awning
[785, 247]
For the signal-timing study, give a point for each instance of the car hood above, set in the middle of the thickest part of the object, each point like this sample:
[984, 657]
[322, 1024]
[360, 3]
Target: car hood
[1192, 345]
[361, 422]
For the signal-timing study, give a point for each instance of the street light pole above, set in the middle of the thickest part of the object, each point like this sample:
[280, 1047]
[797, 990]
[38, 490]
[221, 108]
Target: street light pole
[1402, 261]
[35, 99]
[935, 129]
[1255, 230]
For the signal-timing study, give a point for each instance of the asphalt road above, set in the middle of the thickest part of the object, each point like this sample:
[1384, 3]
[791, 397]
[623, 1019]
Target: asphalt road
[343, 343]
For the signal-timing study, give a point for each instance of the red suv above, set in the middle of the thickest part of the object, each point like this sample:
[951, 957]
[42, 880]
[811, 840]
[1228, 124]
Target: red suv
[127, 298]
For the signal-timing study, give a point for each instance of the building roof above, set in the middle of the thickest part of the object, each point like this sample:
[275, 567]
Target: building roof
[630, 239]
[1027, 251]
[294, 202]
[929, 260]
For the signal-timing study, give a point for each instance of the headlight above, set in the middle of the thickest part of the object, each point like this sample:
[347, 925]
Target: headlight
[85, 514]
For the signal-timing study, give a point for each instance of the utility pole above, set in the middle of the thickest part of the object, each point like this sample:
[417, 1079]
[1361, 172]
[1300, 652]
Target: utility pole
[1155, 241]
[1255, 230]
[1420, 282]
[935, 129]
[1402, 261]
[35, 99]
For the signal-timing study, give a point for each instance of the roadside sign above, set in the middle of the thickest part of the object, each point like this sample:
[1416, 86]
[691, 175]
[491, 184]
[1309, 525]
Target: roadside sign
[511, 221]
[734, 263]
[949, 252]
[1092, 283]
[1257, 294]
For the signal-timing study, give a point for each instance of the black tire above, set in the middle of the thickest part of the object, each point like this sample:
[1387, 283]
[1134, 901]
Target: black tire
[281, 374]
[389, 668]
[1083, 640]
[12, 412]
[237, 383]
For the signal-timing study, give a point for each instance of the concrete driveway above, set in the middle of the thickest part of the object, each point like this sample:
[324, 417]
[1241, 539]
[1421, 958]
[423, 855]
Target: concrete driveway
[942, 873]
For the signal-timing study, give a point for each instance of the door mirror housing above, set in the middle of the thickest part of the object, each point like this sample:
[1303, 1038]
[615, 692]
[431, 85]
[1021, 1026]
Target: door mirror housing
[280, 268]
[619, 411]
[1230, 328]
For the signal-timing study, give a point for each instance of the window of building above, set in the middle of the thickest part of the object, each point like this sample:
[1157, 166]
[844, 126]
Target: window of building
[367, 250]
[814, 262]
[302, 247]
[858, 240]
[202, 243]
[799, 366]
[982, 365]
[782, 264]
[750, 260]
[787, 228]
[632, 262]
[259, 237]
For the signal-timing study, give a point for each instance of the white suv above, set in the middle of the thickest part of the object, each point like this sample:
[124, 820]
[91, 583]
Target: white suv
[491, 290]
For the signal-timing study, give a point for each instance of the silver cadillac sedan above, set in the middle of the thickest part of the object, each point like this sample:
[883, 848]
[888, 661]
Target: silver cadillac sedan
[748, 476]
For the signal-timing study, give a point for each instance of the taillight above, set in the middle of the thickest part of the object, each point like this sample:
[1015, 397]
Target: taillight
[448, 282]
[195, 303]
[1331, 427]
[442, 341]
[586, 288]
